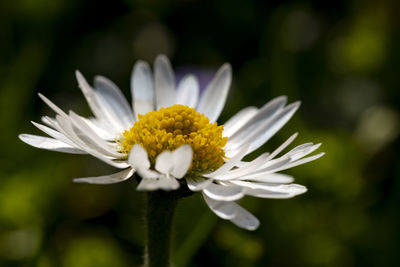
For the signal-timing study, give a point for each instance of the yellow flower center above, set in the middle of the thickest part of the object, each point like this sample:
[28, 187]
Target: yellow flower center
[169, 128]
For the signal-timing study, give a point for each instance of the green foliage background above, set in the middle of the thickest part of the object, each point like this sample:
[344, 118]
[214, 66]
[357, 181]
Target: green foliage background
[340, 58]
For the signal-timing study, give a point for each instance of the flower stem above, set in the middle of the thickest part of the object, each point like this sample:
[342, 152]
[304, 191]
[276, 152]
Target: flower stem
[159, 215]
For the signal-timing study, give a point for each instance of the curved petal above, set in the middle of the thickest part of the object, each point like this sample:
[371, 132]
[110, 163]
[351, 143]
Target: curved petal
[187, 93]
[164, 162]
[164, 82]
[223, 209]
[224, 192]
[142, 88]
[182, 159]
[138, 158]
[107, 179]
[245, 219]
[49, 144]
[238, 120]
[111, 97]
[198, 184]
[213, 100]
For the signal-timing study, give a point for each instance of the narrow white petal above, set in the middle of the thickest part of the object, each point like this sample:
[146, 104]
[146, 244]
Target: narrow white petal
[300, 161]
[270, 167]
[268, 111]
[53, 106]
[245, 169]
[304, 152]
[142, 88]
[274, 178]
[245, 219]
[291, 189]
[223, 192]
[213, 99]
[198, 184]
[223, 209]
[100, 128]
[138, 158]
[187, 93]
[164, 82]
[265, 132]
[53, 133]
[238, 120]
[47, 120]
[107, 179]
[182, 159]
[49, 144]
[90, 138]
[164, 162]
[111, 96]
[283, 146]
[229, 164]
[90, 95]
[66, 127]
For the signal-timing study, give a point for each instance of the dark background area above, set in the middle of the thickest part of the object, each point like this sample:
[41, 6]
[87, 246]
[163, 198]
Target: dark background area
[340, 58]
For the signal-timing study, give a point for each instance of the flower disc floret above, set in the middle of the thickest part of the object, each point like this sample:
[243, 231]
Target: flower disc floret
[172, 127]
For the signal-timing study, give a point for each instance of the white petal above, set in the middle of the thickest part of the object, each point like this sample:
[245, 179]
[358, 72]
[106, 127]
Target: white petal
[52, 105]
[198, 184]
[164, 82]
[213, 100]
[245, 169]
[148, 184]
[291, 189]
[66, 127]
[49, 144]
[300, 162]
[224, 193]
[100, 128]
[229, 164]
[53, 133]
[223, 209]
[266, 130]
[245, 219]
[110, 95]
[90, 138]
[148, 174]
[142, 88]
[268, 111]
[238, 120]
[168, 183]
[304, 152]
[162, 182]
[277, 178]
[164, 162]
[283, 146]
[107, 179]
[182, 159]
[138, 158]
[188, 91]
[270, 167]
[90, 95]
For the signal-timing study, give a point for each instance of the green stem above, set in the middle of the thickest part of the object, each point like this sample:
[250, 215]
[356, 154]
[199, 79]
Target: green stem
[159, 215]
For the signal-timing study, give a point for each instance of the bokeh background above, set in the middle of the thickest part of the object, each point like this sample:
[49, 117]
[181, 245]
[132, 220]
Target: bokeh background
[340, 58]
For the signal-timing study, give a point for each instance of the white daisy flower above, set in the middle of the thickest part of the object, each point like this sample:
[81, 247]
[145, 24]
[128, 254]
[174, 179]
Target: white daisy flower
[170, 138]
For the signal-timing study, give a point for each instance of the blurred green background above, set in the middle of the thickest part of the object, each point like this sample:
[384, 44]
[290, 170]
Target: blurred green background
[340, 58]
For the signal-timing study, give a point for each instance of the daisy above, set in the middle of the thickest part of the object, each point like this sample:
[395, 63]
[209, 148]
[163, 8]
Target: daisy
[170, 138]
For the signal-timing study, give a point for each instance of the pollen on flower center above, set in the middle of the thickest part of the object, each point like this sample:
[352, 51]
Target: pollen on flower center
[169, 128]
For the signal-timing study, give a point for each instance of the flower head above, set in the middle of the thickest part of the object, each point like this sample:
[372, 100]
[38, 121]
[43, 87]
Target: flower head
[171, 139]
